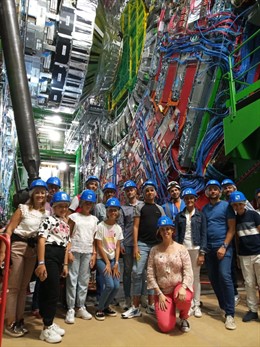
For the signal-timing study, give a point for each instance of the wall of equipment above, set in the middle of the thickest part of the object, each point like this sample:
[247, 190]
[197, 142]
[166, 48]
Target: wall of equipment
[199, 65]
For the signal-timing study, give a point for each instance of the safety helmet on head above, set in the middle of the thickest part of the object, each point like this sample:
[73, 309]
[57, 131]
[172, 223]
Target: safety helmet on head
[92, 178]
[227, 182]
[113, 202]
[38, 183]
[189, 191]
[54, 180]
[129, 184]
[213, 183]
[60, 197]
[173, 184]
[88, 195]
[149, 183]
[236, 197]
[164, 221]
[109, 185]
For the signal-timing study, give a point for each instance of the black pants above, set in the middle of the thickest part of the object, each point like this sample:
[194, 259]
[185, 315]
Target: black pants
[50, 288]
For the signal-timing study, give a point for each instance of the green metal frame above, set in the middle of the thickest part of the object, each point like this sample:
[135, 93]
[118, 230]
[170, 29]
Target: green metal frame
[243, 122]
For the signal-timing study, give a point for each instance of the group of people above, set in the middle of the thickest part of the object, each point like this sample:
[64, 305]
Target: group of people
[163, 249]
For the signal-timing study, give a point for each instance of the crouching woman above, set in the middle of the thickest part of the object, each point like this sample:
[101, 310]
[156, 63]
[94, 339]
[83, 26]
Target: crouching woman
[170, 274]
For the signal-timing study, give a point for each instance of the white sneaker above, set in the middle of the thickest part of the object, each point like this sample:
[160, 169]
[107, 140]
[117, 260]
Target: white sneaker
[237, 299]
[131, 313]
[58, 329]
[49, 335]
[191, 312]
[83, 313]
[70, 316]
[230, 323]
[197, 312]
[144, 303]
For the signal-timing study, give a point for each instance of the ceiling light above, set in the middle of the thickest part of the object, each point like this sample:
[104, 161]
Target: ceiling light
[62, 166]
[54, 136]
[53, 119]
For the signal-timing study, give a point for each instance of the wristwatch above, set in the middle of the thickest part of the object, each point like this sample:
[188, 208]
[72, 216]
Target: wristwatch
[225, 245]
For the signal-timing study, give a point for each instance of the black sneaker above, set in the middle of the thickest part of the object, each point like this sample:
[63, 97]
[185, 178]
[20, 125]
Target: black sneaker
[250, 316]
[13, 330]
[100, 315]
[21, 326]
[185, 326]
[109, 312]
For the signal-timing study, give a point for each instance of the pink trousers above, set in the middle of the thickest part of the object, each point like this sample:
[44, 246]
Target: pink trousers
[167, 319]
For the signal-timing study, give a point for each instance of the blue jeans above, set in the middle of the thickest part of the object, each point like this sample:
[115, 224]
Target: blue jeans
[111, 285]
[128, 260]
[139, 268]
[77, 280]
[219, 272]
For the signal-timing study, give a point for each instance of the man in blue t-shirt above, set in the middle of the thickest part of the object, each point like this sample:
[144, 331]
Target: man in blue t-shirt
[220, 231]
[248, 232]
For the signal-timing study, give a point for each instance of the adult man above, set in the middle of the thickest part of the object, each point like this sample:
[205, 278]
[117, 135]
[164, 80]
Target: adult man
[126, 221]
[176, 204]
[146, 217]
[228, 187]
[220, 231]
[248, 232]
[92, 183]
[257, 198]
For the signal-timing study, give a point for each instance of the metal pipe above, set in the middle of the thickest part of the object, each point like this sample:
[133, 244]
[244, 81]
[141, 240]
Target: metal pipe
[19, 89]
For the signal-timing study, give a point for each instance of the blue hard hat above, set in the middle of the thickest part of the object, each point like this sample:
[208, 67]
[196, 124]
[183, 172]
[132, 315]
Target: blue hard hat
[88, 195]
[54, 180]
[227, 181]
[113, 202]
[213, 183]
[165, 221]
[60, 197]
[92, 178]
[38, 183]
[189, 191]
[237, 197]
[109, 185]
[130, 184]
[149, 183]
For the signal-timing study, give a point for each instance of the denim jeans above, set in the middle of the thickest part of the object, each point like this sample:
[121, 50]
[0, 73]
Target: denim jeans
[111, 285]
[219, 272]
[77, 280]
[140, 267]
[128, 260]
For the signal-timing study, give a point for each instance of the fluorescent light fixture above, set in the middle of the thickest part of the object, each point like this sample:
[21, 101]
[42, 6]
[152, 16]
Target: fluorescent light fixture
[54, 136]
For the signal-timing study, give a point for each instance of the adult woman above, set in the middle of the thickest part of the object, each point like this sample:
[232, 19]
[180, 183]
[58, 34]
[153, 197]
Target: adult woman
[169, 274]
[191, 231]
[23, 231]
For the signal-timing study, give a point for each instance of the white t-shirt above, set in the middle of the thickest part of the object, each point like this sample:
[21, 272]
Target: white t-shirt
[84, 231]
[109, 235]
[187, 242]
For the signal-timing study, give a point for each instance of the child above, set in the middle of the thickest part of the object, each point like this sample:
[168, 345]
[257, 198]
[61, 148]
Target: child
[248, 234]
[82, 256]
[108, 238]
[53, 244]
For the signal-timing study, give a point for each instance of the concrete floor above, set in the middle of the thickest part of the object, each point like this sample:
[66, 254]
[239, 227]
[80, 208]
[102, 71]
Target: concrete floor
[205, 332]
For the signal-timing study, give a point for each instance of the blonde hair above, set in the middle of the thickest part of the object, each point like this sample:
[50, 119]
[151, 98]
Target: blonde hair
[30, 203]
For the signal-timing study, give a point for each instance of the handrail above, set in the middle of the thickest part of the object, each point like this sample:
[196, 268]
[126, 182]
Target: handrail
[6, 239]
